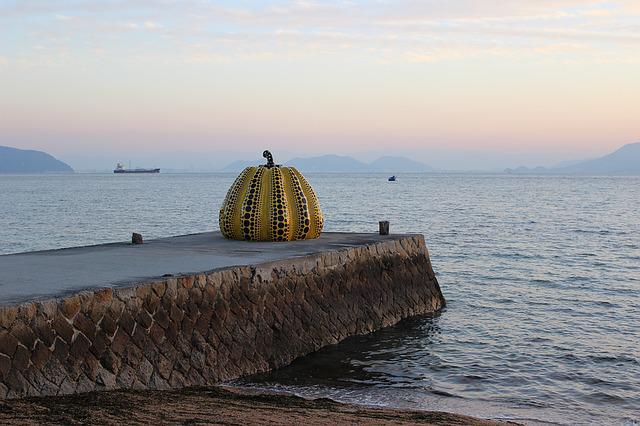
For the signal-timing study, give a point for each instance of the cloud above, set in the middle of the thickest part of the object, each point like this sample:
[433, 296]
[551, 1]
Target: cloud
[146, 25]
[411, 30]
[598, 13]
[552, 49]
[151, 25]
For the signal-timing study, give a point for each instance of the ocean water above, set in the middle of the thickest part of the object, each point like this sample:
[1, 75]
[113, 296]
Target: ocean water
[541, 276]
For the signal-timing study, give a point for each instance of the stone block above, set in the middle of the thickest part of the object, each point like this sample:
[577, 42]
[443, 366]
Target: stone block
[40, 384]
[62, 327]
[177, 380]
[143, 291]
[85, 384]
[159, 288]
[109, 323]
[176, 314]
[120, 341]
[139, 337]
[5, 366]
[186, 281]
[171, 332]
[27, 312]
[110, 361]
[69, 306]
[182, 365]
[18, 385]
[157, 382]
[132, 356]
[143, 319]
[8, 343]
[116, 307]
[67, 387]
[127, 322]
[79, 347]
[164, 367]
[161, 318]
[99, 344]
[53, 371]
[151, 303]
[144, 371]
[85, 325]
[8, 315]
[195, 295]
[100, 303]
[90, 366]
[156, 333]
[40, 355]
[126, 377]
[43, 330]
[60, 349]
[105, 380]
[186, 326]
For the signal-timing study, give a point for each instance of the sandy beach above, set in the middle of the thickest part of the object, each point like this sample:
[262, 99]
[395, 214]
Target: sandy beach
[217, 405]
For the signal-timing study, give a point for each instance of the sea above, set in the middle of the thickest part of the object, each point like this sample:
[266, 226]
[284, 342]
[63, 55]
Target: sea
[541, 275]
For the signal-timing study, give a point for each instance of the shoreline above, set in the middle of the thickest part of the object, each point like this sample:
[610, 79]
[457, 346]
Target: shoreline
[212, 405]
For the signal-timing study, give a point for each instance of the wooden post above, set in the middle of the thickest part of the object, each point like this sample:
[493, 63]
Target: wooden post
[136, 238]
[384, 227]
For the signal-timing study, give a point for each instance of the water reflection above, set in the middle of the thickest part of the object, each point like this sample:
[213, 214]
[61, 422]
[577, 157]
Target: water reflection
[361, 361]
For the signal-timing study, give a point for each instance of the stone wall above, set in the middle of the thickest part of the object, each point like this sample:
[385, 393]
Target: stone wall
[203, 328]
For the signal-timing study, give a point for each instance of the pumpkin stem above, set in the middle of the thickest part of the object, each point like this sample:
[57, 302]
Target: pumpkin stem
[266, 154]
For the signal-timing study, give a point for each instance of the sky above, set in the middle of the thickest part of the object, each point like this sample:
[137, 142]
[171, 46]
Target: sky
[458, 84]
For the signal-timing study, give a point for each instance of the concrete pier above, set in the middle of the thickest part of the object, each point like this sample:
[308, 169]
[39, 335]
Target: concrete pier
[197, 309]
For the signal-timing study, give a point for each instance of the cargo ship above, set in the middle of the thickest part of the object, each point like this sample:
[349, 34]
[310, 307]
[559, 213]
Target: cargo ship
[120, 169]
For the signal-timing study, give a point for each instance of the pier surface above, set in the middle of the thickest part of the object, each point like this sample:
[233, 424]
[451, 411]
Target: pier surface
[51, 273]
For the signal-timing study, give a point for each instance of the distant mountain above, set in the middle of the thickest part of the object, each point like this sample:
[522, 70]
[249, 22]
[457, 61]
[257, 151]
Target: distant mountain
[240, 165]
[529, 170]
[328, 163]
[343, 164]
[13, 160]
[625, 160]
[399, 165]
[622, 161]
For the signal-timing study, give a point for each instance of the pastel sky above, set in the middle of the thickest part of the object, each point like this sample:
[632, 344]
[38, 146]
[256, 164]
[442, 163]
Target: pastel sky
[527, 81]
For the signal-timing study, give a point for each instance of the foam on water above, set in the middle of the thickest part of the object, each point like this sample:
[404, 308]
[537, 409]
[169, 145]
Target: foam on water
[541, 276]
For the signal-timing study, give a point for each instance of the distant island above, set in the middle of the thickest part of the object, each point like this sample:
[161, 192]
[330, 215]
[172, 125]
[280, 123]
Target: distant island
[625, 160]
[344, 164]
[18, 161]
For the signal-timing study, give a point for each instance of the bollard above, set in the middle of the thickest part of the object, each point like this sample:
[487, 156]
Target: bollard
[384, 227]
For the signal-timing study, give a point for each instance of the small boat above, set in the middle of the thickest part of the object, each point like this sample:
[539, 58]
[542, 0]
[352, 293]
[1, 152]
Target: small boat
[120, 169]
[392, 178]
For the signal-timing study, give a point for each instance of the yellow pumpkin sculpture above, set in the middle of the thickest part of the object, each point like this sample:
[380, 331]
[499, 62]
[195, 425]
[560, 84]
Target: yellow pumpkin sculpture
[271, 203]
